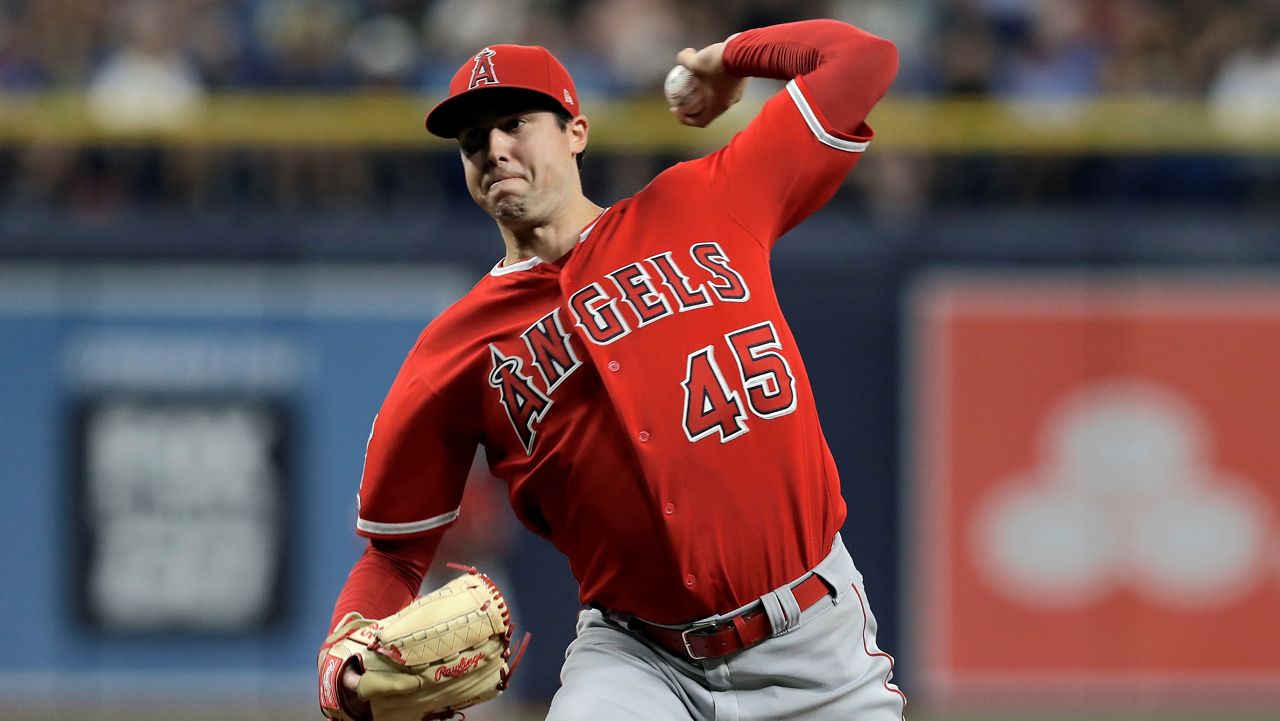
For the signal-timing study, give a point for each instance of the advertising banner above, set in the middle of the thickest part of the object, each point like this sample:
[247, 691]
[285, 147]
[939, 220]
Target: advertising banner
[1097, 488]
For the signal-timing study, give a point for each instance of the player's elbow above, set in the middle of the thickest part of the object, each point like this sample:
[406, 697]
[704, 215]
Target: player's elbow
[886, 62]
[878, 58]
[871, 59]
[884, 54]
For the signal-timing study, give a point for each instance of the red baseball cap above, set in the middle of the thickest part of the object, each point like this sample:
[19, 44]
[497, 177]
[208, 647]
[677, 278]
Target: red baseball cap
[524, 68]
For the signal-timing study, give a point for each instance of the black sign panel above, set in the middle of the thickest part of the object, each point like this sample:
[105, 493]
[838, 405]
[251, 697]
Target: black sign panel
[180, 503]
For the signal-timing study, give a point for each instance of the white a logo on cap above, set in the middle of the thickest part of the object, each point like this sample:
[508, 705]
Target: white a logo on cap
[567, 99]
[482, 72]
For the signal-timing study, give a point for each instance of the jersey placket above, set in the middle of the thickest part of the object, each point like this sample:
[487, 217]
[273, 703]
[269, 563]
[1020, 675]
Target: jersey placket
[621, 373]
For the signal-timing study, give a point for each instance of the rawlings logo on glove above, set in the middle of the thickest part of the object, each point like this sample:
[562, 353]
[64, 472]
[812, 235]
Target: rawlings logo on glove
[445, 651]
[463, 666]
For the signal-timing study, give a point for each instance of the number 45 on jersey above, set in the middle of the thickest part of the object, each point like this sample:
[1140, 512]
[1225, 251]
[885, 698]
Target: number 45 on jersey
[713, 407]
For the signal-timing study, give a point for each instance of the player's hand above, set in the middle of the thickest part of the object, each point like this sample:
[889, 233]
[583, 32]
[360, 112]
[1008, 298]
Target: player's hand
[352, 700]
[445, 651]
[719, 89]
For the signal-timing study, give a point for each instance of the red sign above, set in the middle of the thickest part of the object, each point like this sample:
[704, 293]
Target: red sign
[1097, 467]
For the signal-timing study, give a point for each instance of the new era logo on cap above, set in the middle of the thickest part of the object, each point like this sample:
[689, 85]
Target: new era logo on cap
[501, 67]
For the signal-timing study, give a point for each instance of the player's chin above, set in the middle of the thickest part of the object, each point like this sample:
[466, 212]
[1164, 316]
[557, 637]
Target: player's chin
[509, 209]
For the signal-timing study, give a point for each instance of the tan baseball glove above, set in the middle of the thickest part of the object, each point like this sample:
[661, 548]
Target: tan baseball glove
[445, 651]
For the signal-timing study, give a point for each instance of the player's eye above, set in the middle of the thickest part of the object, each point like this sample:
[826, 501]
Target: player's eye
[471, 141]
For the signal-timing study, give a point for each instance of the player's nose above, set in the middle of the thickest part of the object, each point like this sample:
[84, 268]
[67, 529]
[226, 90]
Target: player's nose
[499, 144]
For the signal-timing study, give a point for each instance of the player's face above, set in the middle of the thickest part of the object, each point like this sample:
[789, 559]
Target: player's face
[519, 165]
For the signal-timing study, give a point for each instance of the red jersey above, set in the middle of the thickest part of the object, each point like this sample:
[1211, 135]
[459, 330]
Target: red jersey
[642, 396]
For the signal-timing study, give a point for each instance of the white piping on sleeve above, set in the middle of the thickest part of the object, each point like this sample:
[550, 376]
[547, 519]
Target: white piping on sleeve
[400, 529]
[811, 119]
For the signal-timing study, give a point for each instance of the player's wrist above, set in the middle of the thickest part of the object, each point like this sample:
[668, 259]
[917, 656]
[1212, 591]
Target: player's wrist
[341, 666]
[339, 696]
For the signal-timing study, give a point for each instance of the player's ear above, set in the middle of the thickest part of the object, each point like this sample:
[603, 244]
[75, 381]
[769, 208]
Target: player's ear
[578, 131]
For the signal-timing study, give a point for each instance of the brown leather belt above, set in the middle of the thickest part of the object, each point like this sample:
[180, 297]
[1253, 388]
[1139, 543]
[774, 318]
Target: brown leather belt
[728, 635]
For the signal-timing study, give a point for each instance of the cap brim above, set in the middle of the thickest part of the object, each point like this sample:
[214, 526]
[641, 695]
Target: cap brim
[451, 115]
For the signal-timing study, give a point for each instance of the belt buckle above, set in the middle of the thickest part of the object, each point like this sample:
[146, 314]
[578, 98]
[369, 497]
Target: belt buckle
[684, 638]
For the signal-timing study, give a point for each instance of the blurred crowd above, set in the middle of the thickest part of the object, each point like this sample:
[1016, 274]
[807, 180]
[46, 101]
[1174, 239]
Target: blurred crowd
[949, 47]
[150, 64]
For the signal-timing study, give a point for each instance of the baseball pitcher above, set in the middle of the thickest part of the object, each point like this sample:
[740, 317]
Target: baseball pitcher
[632, 379]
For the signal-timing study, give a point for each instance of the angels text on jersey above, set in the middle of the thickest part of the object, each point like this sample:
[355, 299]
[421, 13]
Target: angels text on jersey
[650, 290]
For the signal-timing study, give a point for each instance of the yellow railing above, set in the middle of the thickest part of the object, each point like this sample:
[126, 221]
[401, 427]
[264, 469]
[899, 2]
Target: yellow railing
[904, 124]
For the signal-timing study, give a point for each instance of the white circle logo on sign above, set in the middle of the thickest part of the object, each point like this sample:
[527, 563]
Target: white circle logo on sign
[1125, 495]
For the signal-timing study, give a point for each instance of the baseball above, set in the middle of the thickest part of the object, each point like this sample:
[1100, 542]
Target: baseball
[682, 90]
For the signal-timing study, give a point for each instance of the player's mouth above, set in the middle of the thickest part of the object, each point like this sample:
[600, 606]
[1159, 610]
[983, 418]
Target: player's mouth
[499, 182]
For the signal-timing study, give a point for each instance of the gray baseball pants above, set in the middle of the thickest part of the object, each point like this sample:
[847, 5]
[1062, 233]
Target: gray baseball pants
[822, 664]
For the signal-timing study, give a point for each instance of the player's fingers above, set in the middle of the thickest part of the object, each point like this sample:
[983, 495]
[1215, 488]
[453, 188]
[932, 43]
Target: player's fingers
[683, 117]
[686, 57]
[703, 63]
[699, 119]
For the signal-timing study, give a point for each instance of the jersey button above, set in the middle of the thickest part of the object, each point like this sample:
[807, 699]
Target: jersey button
[615, 366]
[670, 508]
[688, 580]
[643, 436]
